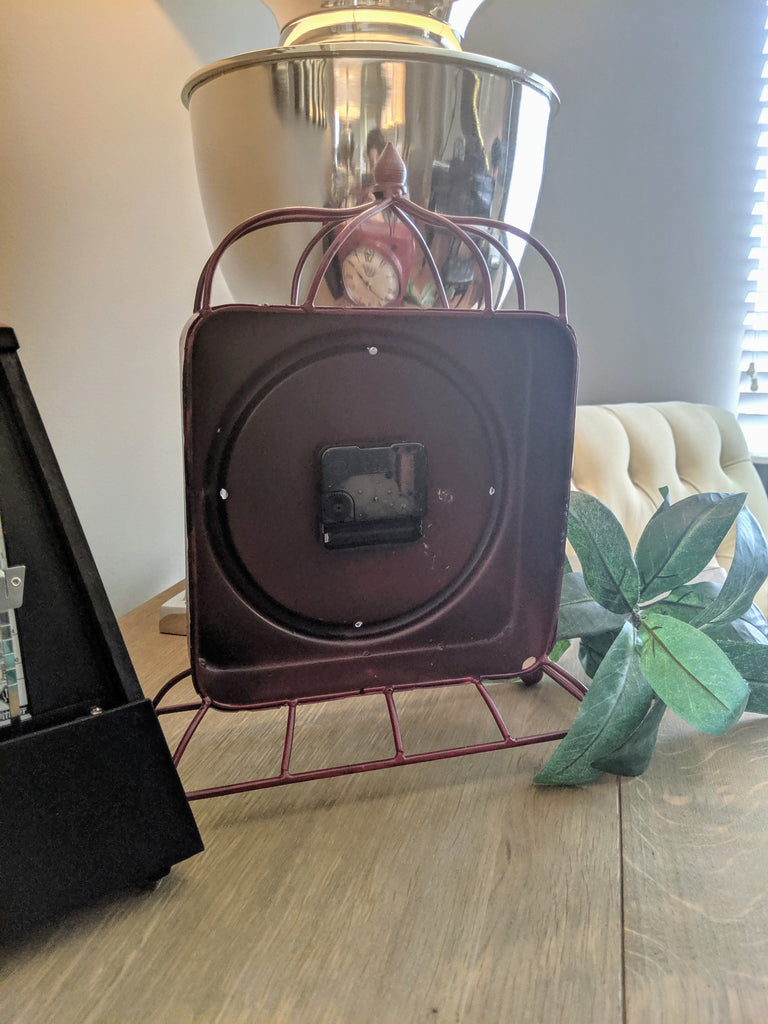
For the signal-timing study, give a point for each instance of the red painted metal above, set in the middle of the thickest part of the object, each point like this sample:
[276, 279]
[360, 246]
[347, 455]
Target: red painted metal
[350, 219]
[286, 777]
[306, 667]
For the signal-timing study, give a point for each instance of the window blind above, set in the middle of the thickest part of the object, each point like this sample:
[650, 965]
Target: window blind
[753, 382]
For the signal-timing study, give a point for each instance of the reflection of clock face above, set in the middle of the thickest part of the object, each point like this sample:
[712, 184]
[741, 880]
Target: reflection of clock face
[370, 278]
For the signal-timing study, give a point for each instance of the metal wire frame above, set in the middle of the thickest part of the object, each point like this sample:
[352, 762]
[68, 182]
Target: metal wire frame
[284, 776]
[390, 199]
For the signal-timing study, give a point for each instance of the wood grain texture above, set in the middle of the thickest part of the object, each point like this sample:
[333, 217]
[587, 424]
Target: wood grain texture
[695, 840]
[454, 891]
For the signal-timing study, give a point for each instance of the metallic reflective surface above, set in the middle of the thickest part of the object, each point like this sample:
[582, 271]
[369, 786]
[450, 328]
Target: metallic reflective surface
[303, 125]
[441, 22]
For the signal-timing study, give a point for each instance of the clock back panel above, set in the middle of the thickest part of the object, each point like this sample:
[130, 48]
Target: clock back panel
[372, 498]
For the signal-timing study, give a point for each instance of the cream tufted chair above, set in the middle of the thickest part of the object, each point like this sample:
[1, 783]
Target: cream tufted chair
[624, 453]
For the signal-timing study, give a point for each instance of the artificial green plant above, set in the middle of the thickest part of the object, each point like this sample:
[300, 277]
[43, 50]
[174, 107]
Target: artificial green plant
[650, 637]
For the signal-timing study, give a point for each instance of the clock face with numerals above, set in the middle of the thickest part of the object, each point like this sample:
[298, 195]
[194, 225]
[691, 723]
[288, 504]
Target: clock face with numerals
[370, 278]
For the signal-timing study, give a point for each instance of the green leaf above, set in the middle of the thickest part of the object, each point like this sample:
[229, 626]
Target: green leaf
[592, 650]
[751, 662]
[756, 619]
[691, 674]
[615, 705]
[605, 553]
[752, 627]
[559, 650]
[745, 577]
[634, 756]
[682, 539]
[688, 601]
[580, 615]
[665, 502]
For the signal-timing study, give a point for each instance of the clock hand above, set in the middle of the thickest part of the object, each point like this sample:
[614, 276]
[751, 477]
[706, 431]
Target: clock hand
[366, 283]
[376, 294]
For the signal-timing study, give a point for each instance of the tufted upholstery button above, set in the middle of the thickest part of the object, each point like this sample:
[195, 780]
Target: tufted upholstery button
[624, 453]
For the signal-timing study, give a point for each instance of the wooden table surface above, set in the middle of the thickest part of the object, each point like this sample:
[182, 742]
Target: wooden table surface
[454, 891]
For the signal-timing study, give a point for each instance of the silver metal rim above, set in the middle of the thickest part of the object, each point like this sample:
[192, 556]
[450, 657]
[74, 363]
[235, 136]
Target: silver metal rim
[370, 51]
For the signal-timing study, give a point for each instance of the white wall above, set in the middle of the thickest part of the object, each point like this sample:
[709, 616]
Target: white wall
[647, 188]
[645, 204]
[101, 239]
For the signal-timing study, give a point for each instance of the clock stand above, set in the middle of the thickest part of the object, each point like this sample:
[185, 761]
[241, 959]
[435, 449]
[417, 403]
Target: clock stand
[376, 497]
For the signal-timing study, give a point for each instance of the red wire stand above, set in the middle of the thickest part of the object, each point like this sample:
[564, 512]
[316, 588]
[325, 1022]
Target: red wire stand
[341, 225]
[284, 775]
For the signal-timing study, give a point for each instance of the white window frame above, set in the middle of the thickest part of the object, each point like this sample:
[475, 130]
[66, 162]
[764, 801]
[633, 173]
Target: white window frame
[753, 381]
